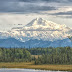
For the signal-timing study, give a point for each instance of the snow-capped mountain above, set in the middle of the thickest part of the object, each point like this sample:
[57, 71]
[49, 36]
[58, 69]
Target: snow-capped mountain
[40, 33]
[41, 29]
[40, 24]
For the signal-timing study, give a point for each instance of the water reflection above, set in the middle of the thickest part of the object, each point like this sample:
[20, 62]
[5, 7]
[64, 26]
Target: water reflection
[26, 70]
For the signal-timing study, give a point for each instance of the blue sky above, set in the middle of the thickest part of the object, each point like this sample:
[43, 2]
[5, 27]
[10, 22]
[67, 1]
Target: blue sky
[11, 11]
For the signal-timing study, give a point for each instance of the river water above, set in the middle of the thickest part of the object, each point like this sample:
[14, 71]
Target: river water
[25, 70]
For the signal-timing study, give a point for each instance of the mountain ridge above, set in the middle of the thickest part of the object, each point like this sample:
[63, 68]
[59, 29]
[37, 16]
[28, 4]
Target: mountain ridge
[10, 42]
[34, 43]
[39, 29]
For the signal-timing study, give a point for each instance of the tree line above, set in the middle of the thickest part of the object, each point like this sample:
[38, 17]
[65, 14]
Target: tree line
[56, 56]
[59, 55]
[14, 55]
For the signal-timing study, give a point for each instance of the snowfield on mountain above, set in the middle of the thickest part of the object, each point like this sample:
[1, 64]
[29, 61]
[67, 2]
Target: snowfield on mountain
[39, 29]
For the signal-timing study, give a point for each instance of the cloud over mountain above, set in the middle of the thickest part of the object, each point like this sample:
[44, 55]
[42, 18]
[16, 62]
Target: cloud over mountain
[17, 6]
[32, 6]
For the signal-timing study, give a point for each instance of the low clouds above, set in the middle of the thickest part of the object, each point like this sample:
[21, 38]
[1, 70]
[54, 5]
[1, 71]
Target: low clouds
[23, 7]
[28, 6]
[58, 1]
[35, 6]
[64, 13]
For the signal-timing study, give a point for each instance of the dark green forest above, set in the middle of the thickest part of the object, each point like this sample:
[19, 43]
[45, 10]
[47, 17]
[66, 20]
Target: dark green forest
[56, 56]
[14, 55]
[59, 55]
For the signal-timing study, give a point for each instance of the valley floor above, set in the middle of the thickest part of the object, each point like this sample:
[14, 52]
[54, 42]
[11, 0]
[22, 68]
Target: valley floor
[30, 65]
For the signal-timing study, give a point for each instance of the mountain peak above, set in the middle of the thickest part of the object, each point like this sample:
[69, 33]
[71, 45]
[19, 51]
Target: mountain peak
[36, 21]
[39, 28]
[45, 24]
[40, 24]
[39, 19]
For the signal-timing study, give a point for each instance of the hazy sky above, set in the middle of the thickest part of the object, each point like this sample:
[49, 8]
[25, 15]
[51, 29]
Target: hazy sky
[15, 12]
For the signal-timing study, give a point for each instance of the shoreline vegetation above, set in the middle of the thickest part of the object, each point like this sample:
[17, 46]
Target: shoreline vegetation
[58, 59]
[31, 65]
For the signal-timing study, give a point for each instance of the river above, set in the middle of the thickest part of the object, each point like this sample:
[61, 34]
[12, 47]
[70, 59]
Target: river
[25, 70]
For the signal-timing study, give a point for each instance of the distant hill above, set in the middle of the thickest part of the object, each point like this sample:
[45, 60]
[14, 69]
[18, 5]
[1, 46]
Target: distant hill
[10, 42]
[41, 43]
[33, 43]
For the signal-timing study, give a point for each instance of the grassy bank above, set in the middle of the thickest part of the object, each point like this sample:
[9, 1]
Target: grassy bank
[30, 65]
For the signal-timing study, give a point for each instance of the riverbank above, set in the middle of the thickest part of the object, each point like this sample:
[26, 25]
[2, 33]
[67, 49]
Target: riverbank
[30, 65]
